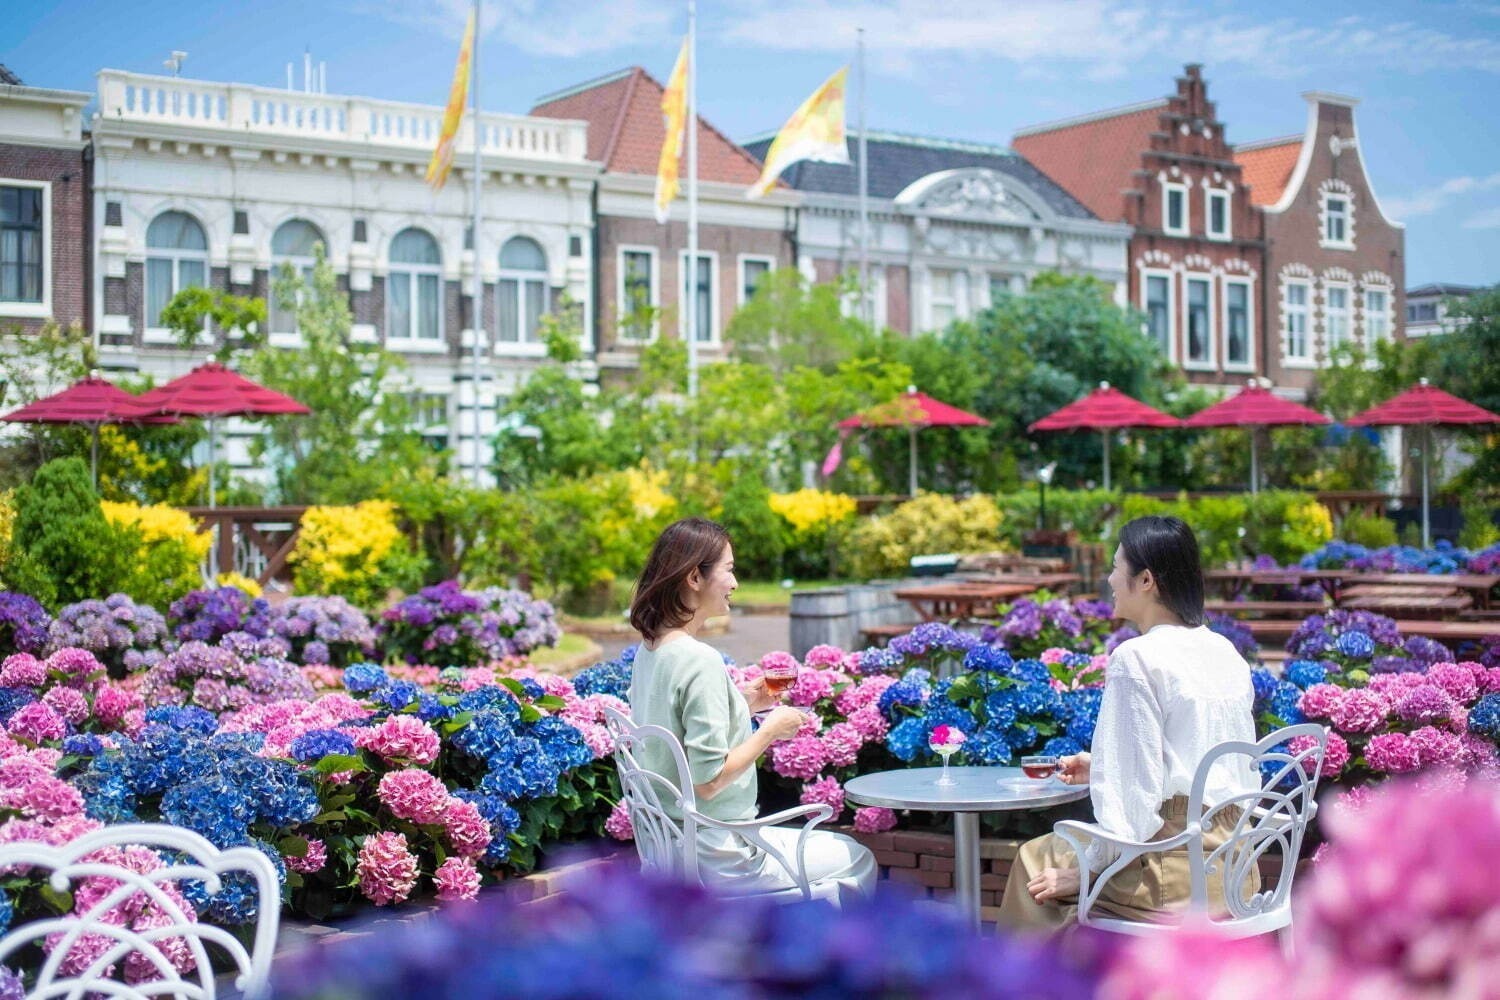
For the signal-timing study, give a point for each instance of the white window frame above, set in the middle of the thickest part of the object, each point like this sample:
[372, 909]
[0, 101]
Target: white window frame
[42, 309]
[752, 258]
[950, 300]
[414, 344]
[1387, 315]
[622, 303]
[1347, 197]
[1211, 362]
[1305, 311]
[1210, 195]
[304, 267]
[1167, 189]
[1347, 287]
[1147, 273]
[1248, 365]
[685, 285]
[154, 333]
[520, 348]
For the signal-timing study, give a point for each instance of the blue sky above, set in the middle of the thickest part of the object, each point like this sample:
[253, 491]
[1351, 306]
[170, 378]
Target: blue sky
[1428, 74]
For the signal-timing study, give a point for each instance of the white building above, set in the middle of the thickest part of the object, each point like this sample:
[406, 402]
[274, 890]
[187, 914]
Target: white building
[219, 184]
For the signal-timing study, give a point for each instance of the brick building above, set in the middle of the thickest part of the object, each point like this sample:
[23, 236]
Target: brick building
[1197, 256]
[640, 265]
[44, 206]
[1335, 263]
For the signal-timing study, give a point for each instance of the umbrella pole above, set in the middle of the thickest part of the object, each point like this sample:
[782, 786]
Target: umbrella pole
[94, 457]
[1426, 519]
[211, 503]
[1254, 460]
[911, 484]
[1104, 436]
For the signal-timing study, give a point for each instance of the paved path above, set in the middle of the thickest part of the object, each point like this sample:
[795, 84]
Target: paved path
[749, 637]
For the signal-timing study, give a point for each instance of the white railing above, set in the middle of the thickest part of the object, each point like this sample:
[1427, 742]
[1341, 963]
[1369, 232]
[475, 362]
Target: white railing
[267, 111]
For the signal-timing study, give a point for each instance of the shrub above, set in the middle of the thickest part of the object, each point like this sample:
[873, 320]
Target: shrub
[814, 525]
[759, 538]
[1091, 513]
[169, 550]
[1370, 530]
[931, 523]
[62, 544]
[1479, 529]
[355, 552]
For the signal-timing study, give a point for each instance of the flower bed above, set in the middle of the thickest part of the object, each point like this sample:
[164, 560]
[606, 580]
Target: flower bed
[1443, 557]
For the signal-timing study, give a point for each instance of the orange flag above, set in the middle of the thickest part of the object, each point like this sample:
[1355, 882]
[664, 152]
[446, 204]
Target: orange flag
[442, 156]
[674, 116]
[814, 132]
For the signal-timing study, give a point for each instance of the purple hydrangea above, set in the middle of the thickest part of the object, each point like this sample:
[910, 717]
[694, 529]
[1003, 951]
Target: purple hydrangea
[323, 631]
[241, 669]
[445, 625]
[209, 615]
[123, 635]
[23, 623]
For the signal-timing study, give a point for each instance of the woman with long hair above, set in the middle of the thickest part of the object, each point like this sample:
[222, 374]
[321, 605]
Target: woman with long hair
[681, 684]
[1171, 694]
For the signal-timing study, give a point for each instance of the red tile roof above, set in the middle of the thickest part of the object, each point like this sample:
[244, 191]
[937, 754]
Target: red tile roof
[1093, 158]
[626, 130]
[1267, 167]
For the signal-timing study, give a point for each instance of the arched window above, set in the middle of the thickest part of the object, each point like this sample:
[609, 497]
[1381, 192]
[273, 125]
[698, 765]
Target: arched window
[294, 244]
[521, 294]
[176, 258]
[413, 291]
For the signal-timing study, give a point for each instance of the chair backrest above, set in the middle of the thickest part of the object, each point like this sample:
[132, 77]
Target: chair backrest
[665, 843]
[91, 955]
[1275, 815]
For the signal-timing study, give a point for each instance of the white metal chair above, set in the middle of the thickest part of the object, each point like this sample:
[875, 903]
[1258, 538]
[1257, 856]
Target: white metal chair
[1275, 815]
[669, 846]
[187, 857]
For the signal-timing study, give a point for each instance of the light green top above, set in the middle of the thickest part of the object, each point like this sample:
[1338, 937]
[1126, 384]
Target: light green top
[684, 688]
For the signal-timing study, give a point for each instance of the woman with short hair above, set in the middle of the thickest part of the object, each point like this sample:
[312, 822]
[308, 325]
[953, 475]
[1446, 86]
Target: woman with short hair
[1171, 694]
[681, 684]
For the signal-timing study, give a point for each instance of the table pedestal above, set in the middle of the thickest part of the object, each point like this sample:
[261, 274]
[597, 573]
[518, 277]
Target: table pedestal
[966, 864]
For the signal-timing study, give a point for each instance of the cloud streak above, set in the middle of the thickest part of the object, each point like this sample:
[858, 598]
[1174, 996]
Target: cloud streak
[538, 27]
[1439, 196]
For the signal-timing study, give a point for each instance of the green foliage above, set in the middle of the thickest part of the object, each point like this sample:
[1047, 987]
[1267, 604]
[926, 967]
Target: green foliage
[1479, 529]
[931, 524]
[1091, 513]
[759, 543]
[1283, 524]
[63, 548]
[358, 437]
[237, 320]
[1369, 530]
[1466, 362]
[792, 323]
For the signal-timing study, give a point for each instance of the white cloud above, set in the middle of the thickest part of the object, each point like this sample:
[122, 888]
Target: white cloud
[539, 27]
[1430, 200]
[1488, 219]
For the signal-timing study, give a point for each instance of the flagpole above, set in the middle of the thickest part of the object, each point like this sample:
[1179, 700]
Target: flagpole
[867, 306]
[478, 214]
[692, 152]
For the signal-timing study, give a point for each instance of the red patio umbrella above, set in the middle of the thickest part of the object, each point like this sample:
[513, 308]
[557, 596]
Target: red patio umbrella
[1424, 406]
[212, 391]
[913, 410]
[90, 401]
[1105, 409]
[1255, 406]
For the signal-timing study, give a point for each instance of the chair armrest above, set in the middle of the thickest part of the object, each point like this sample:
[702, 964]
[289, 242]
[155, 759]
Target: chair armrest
[750, 829]
[1076, 835]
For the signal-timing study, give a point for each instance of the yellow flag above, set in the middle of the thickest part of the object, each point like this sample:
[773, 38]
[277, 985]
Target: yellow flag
[442, 156]
[814, 132]
[674, 116]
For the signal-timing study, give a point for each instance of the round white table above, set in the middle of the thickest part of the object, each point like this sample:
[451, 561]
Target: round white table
[974, 790]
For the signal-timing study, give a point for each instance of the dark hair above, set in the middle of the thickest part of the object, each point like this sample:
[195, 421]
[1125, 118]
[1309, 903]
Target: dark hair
[686, 545]
[1167, 547]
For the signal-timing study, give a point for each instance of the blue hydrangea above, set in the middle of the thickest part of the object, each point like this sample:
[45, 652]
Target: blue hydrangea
[1037, 699]
[1270, 768]
[492, 698]
[106, 795]
[611, 677]
[83, 745]
[903, 692]
[987, 747]
[396, 695]
[315, 744]
[1284, 703]
[989, 658]
[941, 712]
[627, 655]
[6, 911]
[14, 699]
[159, 758]
[1484, 717]
[488, 736]
[532, 689]
[188, 719]
[1031, 671]
[1062, 746]
[361, 678]
[1264, 683]
[1021, 738]
[431, 708]
[879, 661]
[1000, 707]
[907, 739]
[232, 905]
[1355, 644]
[211, 805]
[1306, 673]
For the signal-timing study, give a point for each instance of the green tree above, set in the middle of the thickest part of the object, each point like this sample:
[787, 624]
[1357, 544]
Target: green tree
[790, 322]
[62, 549]
[359, 436]
[237, 321]
[1466, 362]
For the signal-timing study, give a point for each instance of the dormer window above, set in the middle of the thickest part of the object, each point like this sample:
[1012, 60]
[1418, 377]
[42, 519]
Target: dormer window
[1336, 215]
[1174, 209]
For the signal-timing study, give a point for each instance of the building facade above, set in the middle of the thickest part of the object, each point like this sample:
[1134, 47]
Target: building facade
[1427, 308]
[44, 206]
[1197, 253]
[641, 266]
[1335, 262]
[952, 226]
[222, 185]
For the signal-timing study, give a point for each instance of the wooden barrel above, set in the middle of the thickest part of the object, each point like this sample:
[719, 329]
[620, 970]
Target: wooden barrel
[819, 617]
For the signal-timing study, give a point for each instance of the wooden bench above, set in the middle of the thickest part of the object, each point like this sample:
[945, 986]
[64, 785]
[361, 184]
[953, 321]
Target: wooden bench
[1455, 631]
[1413, 605]
[1280, 629]
[1272, 609]
[879, 635]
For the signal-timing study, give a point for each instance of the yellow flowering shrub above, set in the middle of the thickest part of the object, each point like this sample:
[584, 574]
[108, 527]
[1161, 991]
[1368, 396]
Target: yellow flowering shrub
[648, 492]
[169, 550]
[812, 510]
[248, 586]
[356, 552]
[816, 523]
[1307, 526]
[930, 524]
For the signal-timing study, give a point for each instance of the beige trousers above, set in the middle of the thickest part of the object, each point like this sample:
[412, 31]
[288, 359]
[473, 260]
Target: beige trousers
[1153, 888]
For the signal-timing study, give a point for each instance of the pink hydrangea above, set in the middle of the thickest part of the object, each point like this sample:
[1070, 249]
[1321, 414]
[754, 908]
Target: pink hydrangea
[37, 722]
[841, 744]
[618, 824]
[68, 703]
[1393, 686]
[1056, 654]
[468, 831]
[1318, 701]
[826, 791]
[414, 795]
[1478, 754]
[799, 757]
[824, 656]
[1457, 679]
[1359, 711]
[1193, 962]
[456, 879]
[401, 739]
[812, 724]
[22, 670]
[779, 659]
[811, 686]
[387, 870]
[1436, 747]
[870, 723]
[862, 693]
[1335, 754]
[1392, 753]
[1492, 680]
[78, 664]
[313, 861]
[874, 819]
[1427, 703]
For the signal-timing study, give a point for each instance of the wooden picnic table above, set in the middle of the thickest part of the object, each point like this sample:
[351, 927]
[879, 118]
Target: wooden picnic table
[1454, 631]
[1234, 582]
[1266, 609]
[1062, 582]
[1479, 585]
[1395, 590]
[1412, 605]
[961, 601]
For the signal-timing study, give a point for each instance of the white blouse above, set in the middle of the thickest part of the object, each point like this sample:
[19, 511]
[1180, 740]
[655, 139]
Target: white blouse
[1170, 696]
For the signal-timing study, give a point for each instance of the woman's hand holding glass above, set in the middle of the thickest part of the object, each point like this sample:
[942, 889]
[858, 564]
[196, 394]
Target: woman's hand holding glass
[758, 696]
[1074, 770]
